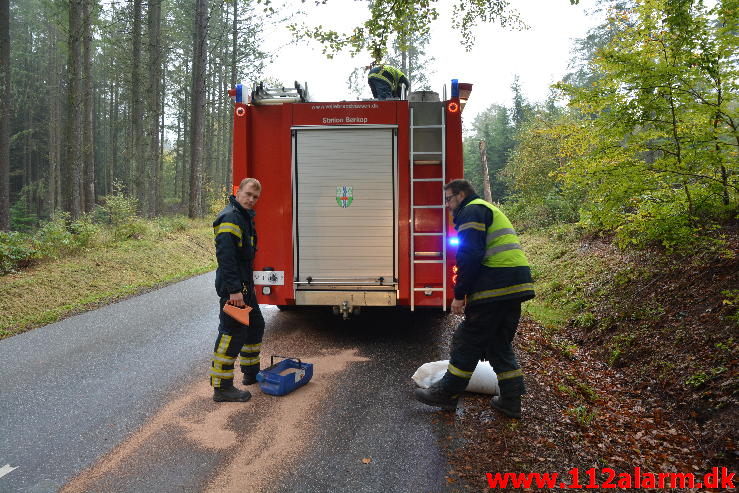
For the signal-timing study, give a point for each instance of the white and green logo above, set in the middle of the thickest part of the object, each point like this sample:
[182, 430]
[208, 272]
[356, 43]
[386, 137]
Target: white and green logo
[344, 196]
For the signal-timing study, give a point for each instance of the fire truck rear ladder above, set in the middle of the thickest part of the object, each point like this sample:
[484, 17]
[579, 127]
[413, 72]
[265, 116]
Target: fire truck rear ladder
[441, 161]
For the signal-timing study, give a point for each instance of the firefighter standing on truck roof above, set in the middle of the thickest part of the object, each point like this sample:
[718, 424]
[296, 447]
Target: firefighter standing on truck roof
[385, 81]
[493, 280]
[236, 244]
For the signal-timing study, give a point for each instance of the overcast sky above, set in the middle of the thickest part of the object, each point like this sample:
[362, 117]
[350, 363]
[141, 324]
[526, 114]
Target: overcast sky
[539, 55]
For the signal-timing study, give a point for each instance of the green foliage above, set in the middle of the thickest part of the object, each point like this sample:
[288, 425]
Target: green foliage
[582, 415]
[120, 211]
[16, 251]
[731, 298]
[574, 387]
[215, 197]
[726, 347]
[62, 236]
[698, 379]
[493, 126]
[655, 142]
[390, 20]
[173, 224]
[619, 345]
[585, 319]
[56, 237]
[21, 216]
[134, 229]
[409, 53]
[543, 150]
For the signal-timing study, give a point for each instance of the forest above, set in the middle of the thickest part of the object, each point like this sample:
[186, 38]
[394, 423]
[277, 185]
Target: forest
[127, 99]
[644, 146]
[130, 97]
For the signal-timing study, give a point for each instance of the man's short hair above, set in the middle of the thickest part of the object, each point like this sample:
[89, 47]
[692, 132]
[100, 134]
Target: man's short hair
[457, 186]
[246, 181]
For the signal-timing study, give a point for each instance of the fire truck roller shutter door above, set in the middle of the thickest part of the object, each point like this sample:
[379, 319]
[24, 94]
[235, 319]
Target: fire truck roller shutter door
[345, 203]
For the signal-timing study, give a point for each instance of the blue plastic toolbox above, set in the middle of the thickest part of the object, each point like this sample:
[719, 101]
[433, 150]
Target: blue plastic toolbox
[285, 376]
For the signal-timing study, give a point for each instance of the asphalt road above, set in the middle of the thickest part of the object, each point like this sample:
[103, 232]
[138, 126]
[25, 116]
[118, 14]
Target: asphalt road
[117, 400]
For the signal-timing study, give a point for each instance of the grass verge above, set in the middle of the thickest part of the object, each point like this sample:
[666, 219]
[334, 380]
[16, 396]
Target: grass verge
[57, 288]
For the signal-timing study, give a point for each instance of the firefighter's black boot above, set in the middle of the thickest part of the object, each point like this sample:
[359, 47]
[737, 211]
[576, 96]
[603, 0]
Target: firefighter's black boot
[437, 396]
[249, 379]
[510, 405]
[230, 394]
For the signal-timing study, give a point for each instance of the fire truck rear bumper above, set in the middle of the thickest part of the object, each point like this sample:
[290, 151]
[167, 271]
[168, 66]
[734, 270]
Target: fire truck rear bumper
[353, 298]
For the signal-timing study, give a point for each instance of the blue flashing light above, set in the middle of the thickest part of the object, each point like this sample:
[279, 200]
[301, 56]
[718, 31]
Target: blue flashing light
[454, 241]
[239, 93]
[455, 88]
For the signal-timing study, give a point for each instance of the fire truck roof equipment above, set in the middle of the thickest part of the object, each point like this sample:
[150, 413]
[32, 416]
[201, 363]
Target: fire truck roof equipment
[261, 95]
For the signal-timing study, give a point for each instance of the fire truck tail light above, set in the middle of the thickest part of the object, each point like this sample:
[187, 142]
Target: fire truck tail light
[455, 269]
[240, 111]
[453, 107]
[454, 279]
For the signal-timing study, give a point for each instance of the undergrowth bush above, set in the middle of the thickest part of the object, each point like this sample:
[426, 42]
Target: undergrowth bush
[542, 212]
[173, 224]
[216, 198]
[16, 251]
[61, 235]
[120, 211]
[115, 220]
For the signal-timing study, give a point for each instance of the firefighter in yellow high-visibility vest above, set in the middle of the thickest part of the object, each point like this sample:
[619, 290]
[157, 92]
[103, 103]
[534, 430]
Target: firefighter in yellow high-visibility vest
[493, 280]
[386, 81]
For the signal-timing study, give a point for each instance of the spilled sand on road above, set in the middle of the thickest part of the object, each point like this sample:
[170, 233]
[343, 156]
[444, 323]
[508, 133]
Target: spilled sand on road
[282, 433]
[280, 424]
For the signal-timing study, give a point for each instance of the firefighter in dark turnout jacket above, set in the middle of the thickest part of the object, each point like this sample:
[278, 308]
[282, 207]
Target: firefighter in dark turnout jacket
[236, 244]
[493, 280]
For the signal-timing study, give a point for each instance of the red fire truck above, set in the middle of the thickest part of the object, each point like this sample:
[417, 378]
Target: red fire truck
[352, 208]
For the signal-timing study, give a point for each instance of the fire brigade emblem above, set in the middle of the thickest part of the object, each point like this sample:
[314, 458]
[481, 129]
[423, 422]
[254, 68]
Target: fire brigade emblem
[344, 196]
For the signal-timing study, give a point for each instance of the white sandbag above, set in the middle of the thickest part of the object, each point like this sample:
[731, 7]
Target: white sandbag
[483, 381]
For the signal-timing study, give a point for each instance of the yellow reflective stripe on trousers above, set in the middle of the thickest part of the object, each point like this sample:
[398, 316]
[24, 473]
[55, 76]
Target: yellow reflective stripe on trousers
[510, 374]
[249, 361]
[223, 346]
[223, 359]
[492, 293]
[459, 373]
[472, 225]
[222, 374]
[251, 348]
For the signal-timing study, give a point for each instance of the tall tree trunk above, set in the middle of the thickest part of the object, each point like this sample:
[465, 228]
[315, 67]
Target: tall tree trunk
[208, 125]
[5, 115]
[54, 121]
[162, 101]
[186, 151]
[199, 65]
[234, 58]
[178, 156]
[115, 174]
[88, 150]
[137, 130]
[152, 96]
[73, 161]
